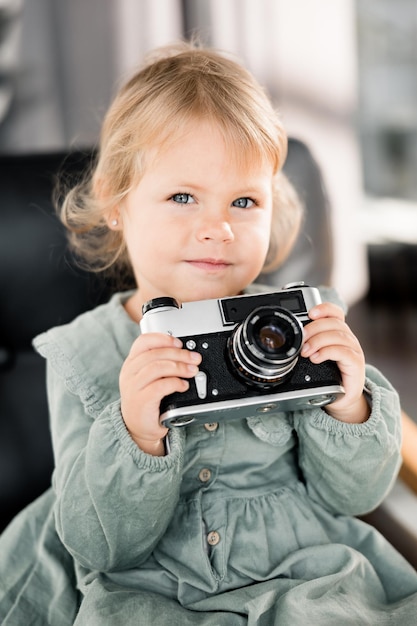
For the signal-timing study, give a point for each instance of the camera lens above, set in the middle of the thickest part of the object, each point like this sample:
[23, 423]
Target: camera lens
[270, 337]
[265, 347]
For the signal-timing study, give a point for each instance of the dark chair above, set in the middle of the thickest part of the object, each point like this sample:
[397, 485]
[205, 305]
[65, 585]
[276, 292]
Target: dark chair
[41, 288]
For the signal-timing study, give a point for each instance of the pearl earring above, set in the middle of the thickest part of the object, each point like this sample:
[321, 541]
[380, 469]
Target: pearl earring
[114, 222]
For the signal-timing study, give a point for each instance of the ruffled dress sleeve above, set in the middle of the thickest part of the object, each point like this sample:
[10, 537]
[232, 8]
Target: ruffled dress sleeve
[113, 501]
[350, 468]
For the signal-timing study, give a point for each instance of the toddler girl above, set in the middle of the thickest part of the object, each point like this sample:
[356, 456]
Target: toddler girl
[228, 523]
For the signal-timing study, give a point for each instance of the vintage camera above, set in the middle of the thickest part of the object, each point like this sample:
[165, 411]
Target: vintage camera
[251, 363]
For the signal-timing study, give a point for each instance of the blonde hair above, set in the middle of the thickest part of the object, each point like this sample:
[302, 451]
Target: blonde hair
[175, 86]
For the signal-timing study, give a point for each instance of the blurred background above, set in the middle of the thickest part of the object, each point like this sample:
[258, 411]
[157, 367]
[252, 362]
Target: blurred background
[343, 73]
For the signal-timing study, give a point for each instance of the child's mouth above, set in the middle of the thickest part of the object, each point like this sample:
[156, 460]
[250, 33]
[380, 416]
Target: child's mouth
[209, 264]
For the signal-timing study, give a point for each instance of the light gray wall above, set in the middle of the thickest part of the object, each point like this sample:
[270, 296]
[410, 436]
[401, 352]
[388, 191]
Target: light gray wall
[65, 74]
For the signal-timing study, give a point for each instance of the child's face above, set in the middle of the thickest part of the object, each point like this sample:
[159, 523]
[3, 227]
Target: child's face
[197, 226]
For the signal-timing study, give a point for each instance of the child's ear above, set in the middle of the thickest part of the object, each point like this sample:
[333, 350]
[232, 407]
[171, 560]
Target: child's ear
[113, 219]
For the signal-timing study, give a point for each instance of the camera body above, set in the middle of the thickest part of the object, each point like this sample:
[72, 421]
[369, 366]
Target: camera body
[251, 362]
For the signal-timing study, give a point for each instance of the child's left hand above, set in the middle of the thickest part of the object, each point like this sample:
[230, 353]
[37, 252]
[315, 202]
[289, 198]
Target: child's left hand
[328, 337]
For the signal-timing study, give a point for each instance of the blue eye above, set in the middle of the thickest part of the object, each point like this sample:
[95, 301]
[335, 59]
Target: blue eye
[183, 198]
[243, 203]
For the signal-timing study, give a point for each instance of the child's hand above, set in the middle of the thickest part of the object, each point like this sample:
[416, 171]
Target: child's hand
[329, 337]
[155, 367]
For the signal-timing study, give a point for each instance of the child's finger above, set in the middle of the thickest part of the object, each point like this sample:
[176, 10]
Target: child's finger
[341, 337]
[150, 341]
[326, 309]
[158, 369]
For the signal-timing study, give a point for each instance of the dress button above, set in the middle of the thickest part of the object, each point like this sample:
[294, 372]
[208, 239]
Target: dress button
[213, 538]
[211, 427]
[204, 475]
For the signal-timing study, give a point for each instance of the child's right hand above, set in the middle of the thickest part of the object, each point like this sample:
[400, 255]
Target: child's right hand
[155, 367]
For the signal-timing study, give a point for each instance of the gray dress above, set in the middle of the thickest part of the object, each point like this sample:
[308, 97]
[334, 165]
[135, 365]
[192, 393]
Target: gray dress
[246, 522]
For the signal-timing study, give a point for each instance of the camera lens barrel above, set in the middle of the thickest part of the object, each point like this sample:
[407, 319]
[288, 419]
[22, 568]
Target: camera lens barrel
[265, 347]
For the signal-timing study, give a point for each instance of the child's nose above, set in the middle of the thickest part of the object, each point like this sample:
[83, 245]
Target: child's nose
[215, 226]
